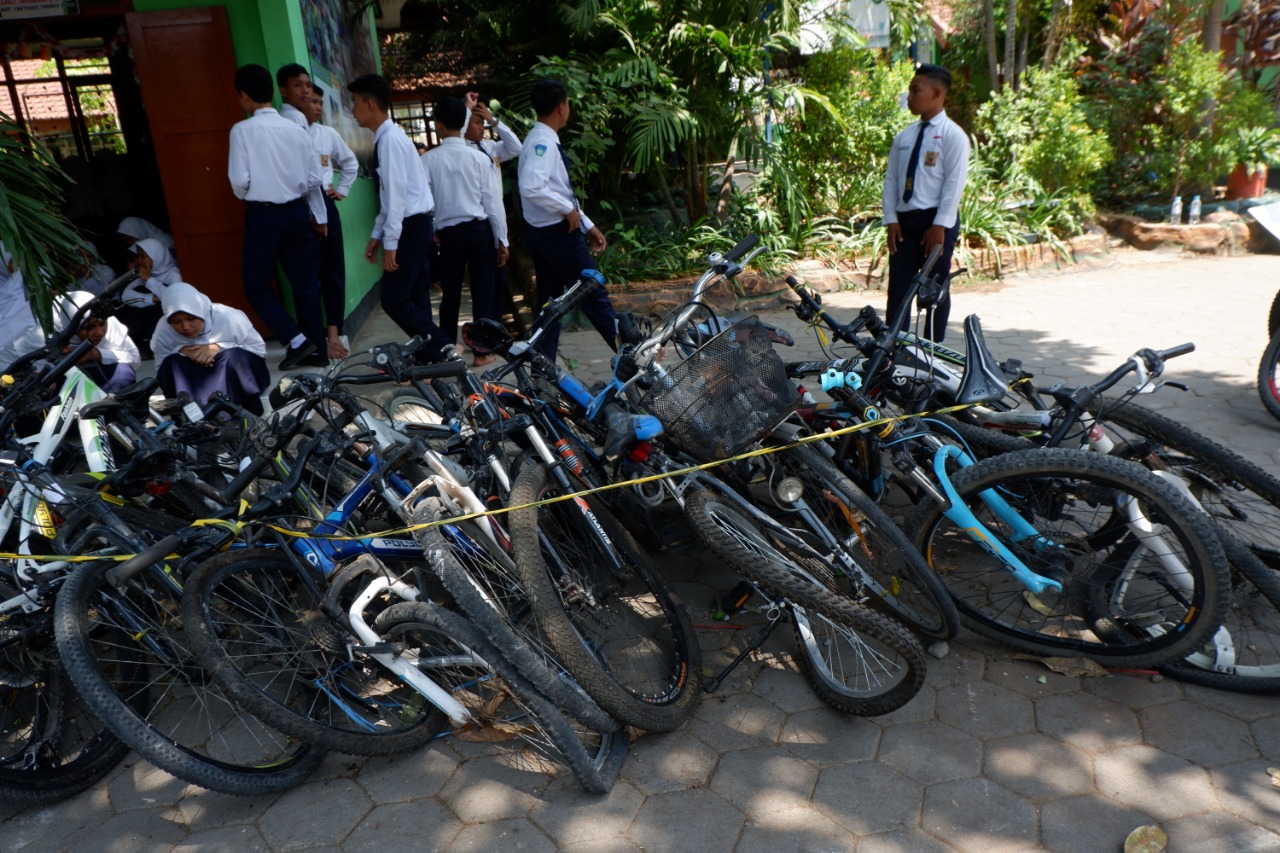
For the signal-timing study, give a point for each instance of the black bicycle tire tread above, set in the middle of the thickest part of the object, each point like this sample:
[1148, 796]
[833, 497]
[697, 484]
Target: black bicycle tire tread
[564, 637]
[1273, 316]
[981, 441]
[1046, 462]
[496, 630]
[107, 705]
[458, 627]
[828, 604]
[242, 691]
[921, 574]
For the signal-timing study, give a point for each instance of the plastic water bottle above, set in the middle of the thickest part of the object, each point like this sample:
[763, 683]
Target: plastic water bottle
[1175, 211]
[1193, 216]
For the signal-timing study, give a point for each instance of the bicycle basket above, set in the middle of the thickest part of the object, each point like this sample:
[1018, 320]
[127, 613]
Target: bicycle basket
[726, 395]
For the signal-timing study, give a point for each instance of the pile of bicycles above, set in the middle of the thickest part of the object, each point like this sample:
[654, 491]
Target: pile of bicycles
[398, 552]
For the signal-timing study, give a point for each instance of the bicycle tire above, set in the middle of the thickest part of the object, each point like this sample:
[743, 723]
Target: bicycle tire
[883, 558]
[256, 626]
[1237, 494]
[102, 633]
[623, 634]
[1070, 496]
[407, 406]
[1273, 316]
[51, 747]
[593, 757]
[980, 442]
[896, 659]
[485, 584]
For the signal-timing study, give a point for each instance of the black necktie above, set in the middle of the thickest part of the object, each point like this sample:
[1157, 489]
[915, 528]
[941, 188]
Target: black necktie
[915, 162]
[373, 164]
[568, 173]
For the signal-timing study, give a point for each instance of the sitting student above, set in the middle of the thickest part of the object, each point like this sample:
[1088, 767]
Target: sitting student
[203, 347]
[92, 276]
[113, 362]
[156, 270]
[135, 228]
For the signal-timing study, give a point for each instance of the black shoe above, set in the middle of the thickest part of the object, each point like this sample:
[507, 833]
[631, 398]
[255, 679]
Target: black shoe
[314, 360]
[296, 356]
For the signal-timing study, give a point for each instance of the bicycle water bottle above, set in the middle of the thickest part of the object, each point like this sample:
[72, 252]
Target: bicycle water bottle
[1175, 211]
[1193, 217]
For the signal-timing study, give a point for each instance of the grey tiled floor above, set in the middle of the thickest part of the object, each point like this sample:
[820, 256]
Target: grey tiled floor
[987, 758]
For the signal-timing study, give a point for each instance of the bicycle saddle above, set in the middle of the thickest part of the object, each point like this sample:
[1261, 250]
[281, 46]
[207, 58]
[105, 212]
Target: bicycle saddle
[983, 381]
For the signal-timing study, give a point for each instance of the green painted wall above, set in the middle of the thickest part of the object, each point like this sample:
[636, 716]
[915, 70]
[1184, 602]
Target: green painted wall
[270, 33]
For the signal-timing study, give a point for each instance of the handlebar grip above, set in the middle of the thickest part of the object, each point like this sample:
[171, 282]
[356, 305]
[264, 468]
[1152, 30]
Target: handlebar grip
[589, 281]
[117, 287]
[792, 283]
[443, 370]
[746, 244]
[145, 559]
[1174, 352]
[934, 254]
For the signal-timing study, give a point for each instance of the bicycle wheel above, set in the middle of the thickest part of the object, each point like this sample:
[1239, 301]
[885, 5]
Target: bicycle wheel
[869, 549]
[124, 650]
[501, 703]
[622, 633]
[1273, 316]
[406, 406]
[485, 584]
[51, 747]
[255, 624]
[1144, 577]
[858, 661]
[1269, 377]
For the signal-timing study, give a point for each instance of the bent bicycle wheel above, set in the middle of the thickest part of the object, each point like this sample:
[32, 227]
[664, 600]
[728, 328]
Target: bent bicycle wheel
[868, 549]
[254, 622]
[857, 660]
[124, 649]
[1143, 576]
[614, 623]
[500, 703]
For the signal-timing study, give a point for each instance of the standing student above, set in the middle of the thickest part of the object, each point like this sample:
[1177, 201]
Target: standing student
[471, 225]
[558, 231]
[295, 93]
[403, 229]
[140, 301]
[273, 167]
[922, 187]
[335, 157]
[507, 146]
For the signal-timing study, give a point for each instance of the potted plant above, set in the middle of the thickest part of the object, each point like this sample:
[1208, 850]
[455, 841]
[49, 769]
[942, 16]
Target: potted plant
[1254, 149]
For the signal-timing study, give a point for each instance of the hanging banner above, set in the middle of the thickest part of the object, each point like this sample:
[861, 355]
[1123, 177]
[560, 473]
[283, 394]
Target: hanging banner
[12, 10]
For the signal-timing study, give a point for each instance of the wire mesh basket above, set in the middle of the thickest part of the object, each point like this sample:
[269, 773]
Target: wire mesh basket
[725, 395]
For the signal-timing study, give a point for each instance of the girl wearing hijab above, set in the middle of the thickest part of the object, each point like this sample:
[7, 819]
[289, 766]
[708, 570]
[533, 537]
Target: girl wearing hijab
[156, 270]
[135, 228]
[113, 362]
[203, 347]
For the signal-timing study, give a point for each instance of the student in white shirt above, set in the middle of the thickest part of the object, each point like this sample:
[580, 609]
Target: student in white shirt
[557, 229]
[922, 187]
[471, 225]
[507, 146]
[113, 362]
[295, 92]
[403, 229]
[140, 302]
[336, 159]
[273, 167]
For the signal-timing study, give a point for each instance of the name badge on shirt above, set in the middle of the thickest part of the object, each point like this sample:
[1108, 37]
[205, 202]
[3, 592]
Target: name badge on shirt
[539, 150]
[324, 160]
[931, 158]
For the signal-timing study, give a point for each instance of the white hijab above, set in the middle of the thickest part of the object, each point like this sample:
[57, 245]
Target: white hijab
[225, 326]
[140, 229]
[116, 346]
[164, 271]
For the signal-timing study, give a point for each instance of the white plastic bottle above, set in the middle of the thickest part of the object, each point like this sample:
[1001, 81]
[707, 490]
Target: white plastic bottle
[1175, 211]
[1193, 216]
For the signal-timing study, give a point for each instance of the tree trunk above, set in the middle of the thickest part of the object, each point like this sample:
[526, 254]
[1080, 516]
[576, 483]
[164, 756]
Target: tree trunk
[726, 183]
[1052, 35]
[670, 199]
[1011, 44]
[1024, 39]
[1213, 26]
[989, 36]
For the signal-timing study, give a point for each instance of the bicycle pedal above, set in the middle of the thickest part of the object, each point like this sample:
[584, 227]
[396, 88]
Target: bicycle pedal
[733, 602]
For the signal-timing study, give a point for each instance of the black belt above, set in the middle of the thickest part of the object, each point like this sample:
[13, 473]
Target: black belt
[298, 200]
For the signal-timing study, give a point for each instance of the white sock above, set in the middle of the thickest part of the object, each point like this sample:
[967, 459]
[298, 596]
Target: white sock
[298, 340]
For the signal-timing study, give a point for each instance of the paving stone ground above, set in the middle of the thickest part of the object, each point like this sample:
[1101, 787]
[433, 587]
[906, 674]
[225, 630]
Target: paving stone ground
[987, 758]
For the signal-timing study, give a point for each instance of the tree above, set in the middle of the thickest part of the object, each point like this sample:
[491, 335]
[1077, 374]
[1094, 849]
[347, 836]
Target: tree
[1213, 25]
[1010, 44]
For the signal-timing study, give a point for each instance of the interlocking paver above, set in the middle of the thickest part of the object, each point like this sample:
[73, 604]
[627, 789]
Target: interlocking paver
[985, 710]
[515, 833]
[1135, 691]
[1243, 706]
[961, 665]
[903, 841]
[569, 817]
[980, 816]
[1025, 677]
[422, 825]
[1088, 822]
[143, 786]
[242, 839]
[824, 737]
[798, 830]
[1038, 767]
[131, 831]
[481, 791]
[1209, 738]
[931, 752]
[922, 707]
[414, 776]
[1245, 789]
[1266, 734]
[785, 687]
[1221, 832]
[764, 779]
[868, 797]
[1162, 785]
[1088, 722]
[669, 762]
[314, 813]
[736, 722]
[692, 821]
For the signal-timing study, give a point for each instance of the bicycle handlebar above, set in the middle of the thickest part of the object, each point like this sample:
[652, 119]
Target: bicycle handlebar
[746, 244]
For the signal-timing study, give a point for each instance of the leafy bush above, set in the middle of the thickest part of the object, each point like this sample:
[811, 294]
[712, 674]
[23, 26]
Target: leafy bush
[1188, 85]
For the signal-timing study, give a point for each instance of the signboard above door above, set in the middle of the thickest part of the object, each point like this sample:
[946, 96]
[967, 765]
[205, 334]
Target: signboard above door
[12, 10]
